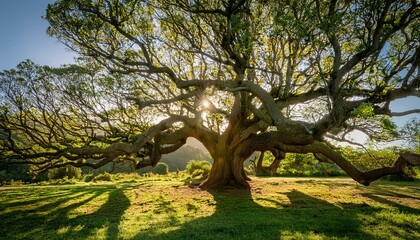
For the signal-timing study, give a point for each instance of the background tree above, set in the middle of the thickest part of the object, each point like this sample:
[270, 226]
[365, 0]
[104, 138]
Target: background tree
[67, 171]
[239, 76]
[411, 133]
[161, 169]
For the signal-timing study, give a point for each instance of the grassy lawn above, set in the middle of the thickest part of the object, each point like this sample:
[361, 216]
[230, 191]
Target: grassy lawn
[275, 208]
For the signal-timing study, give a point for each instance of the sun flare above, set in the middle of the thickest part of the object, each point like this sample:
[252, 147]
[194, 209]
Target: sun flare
[205, 103]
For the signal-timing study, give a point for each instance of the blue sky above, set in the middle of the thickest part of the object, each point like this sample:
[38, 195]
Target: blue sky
[23, 35]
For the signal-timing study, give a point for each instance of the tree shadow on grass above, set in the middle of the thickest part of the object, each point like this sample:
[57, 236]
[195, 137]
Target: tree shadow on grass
[53, 219]
[238, 216]
[382, 198]
[4, 205]
[107, 218]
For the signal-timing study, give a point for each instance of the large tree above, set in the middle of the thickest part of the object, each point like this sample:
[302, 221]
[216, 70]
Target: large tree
[240, 76]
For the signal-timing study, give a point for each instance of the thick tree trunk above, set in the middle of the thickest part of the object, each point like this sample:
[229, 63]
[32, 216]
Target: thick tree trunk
[227, 170]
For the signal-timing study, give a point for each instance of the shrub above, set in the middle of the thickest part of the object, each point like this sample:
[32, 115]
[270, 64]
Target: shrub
[148, 175]
[202, 165]
[161, 169]
[305, 165]
[13, 171]
[88, 177]
[263, 172]
[297, 165]
[198, 173]
[64, 180]
[106, 177]
[321, 169]
[3, 176]
[125, 176]
[16, 183]
[68, 171]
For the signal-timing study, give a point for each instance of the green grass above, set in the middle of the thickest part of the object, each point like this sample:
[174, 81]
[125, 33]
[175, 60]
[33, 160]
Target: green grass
[275, 208]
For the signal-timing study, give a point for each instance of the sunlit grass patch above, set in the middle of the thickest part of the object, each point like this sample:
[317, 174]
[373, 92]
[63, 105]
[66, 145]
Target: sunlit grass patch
[91, 204]
[303, 236]
[391, 224]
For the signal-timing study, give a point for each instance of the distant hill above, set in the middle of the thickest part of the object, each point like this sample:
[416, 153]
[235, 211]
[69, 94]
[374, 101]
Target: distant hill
[180, 158]
[175, 160]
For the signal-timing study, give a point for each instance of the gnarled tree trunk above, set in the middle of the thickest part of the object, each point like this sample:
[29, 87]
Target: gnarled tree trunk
[227, 170]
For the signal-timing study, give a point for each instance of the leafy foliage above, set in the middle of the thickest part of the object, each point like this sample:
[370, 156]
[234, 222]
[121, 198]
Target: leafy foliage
[307, 165]
[198, 168]
[15, 172]
[411, 132]
[374, 159]
[67, 171]
[161, 169]
[106, 177]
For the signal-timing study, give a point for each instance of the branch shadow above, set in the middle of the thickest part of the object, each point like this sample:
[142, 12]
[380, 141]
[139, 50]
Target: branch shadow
[401, 208]
[43, 218]
[107, 217]
[239, 216]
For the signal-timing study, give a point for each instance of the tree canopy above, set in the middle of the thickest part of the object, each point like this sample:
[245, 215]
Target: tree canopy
[240, 76]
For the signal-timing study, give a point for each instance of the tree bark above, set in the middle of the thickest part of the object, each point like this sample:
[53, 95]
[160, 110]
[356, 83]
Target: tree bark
[405, 159]
[365, 178]
[260, 161]
[272, 169]
[229, 156]
[274, 165]
[227, 170]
